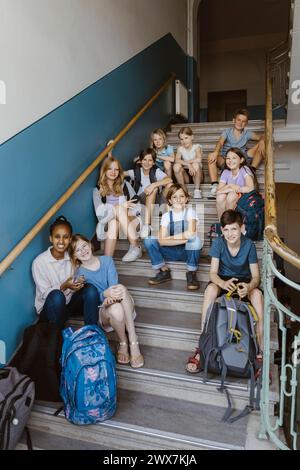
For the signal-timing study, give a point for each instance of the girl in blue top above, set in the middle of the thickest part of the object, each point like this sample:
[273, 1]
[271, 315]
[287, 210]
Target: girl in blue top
[117, 307]
[164, 153]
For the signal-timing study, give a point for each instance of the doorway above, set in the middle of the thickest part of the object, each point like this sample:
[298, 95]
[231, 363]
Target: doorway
[223, 104]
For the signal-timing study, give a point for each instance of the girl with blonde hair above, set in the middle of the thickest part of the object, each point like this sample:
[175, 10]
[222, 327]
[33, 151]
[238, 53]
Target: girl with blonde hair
[117, 310]
[116, 209]
[164, 153]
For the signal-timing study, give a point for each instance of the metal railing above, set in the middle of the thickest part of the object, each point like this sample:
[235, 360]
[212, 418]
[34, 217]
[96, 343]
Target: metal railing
[274, 310]
[17, 250]
[280, 63]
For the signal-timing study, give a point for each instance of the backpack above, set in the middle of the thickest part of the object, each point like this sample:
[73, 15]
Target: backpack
[39, 357]
[252, 207]
[228, 347]
[16, 401]
[138, 176]
[88, 379]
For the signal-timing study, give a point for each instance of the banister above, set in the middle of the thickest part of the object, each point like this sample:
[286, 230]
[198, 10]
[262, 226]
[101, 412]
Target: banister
[17, 250]
[271, 231]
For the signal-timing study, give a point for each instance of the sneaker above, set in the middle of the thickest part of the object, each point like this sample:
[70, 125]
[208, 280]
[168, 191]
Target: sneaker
[191, 279]
[145, 232]
[161, 276]
[213, 191]
[197, 194]
[132, 254]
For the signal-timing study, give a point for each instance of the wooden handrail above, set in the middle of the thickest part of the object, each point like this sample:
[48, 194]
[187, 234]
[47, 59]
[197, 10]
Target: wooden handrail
[271, 231]
[17, 250]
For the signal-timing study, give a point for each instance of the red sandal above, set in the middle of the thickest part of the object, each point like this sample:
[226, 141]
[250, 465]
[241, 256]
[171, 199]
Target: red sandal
[194, 360]
[259, 363]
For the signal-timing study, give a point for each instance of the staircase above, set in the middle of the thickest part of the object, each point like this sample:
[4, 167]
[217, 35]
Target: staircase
[160, 406]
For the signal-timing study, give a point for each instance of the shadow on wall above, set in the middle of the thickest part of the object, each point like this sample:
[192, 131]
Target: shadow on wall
[40, 163]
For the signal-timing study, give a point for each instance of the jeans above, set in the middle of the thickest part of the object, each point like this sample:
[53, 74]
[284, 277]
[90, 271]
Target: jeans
[85, 301]
[189, 252]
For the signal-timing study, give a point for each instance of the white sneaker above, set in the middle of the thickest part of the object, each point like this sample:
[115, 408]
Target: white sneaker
[213, 191]
[197, 194]
[145, 232]
[132, 254]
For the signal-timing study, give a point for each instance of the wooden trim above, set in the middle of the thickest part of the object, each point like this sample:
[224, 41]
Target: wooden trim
[17, 250]
[271, 232]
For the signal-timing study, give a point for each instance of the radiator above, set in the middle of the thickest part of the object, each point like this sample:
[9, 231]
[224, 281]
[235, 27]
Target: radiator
[181, 99]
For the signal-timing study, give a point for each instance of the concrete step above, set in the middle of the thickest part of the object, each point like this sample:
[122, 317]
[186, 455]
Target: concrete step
[253, 124]
[123, 245]
[146, 421]
[164, 375]
[177, 330]
[171, 295]
[142, 267]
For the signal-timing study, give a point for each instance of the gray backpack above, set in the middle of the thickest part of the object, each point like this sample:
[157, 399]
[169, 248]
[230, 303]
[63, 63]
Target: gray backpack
[228, 347]
[16, 401]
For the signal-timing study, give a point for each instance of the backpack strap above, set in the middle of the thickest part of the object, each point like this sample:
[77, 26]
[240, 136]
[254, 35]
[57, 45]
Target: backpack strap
[152, 174]
[223, 389]
[249, 408]
[252, 318]
[137, 178]
[126, 191]
[232, 319]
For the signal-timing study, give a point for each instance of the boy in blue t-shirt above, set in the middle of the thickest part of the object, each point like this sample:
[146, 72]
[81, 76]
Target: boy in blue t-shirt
[233, 264]
[236, 136]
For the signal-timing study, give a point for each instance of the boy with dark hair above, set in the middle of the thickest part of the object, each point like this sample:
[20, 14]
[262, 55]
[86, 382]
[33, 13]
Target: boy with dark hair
[233, 265]
[236, 136]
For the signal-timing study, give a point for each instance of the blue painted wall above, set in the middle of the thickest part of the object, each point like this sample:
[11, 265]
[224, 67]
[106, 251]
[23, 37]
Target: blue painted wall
[41, 162]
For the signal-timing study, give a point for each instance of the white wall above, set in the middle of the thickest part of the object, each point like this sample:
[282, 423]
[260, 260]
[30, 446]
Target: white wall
[52, 49]
[236, 64]
[293, 114]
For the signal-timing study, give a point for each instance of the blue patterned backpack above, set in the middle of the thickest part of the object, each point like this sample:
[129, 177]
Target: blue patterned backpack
[88, 380]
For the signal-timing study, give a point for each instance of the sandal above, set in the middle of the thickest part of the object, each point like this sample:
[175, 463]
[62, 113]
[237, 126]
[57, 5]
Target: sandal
[123, 357]
[259, 364]
[136, 361]
[193, 360]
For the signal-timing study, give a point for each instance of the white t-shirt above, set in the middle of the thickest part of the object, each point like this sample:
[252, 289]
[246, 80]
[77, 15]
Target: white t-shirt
[49, 274]
[145, 179]
[189, 154]
[187, 214]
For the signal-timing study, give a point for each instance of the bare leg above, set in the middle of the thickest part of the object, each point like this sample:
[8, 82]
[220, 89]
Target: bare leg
[127, 228]
[221, 204]
[213, 166]
[198, 176]
[231, 200]
[168, 168]
[257, 153]
[111, 238]
[150, 201]
[211, 293]
[128, 309]
[256, 299]
[114, 316]
[180, 174]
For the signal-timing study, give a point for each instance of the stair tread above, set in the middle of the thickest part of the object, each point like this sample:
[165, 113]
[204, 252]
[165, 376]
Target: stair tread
[175, 285]
[171, 362]
[166, 418]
